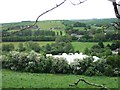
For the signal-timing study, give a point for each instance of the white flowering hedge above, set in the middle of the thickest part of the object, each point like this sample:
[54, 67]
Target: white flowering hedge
[37, 63]
[34, 62]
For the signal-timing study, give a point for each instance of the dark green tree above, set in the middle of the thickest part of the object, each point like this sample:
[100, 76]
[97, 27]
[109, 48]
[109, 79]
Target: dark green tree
[21, 47]
[87, 51]
[48, 48]
[61, 33]
[7, 47]
[101, 44]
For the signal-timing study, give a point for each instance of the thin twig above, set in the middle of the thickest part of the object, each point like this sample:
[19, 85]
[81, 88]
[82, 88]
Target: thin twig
[118, 4]
[80, 2]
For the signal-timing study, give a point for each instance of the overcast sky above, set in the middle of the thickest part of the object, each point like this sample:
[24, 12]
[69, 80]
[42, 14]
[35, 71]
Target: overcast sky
[24, 10]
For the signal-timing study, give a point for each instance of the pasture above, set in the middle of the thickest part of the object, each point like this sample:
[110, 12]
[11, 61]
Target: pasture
[50, 24]
[78, 46]
[17, 43]
[12, 79]
[42, 24]
[82, 45]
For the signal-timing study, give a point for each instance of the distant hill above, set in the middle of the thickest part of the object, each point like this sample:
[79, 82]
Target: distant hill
[47, 24]
[58, 24]
[98, 21]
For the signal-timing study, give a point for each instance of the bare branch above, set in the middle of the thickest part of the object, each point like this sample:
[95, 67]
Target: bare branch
[57, 5]
[118, 4]
[114, 1]
[80, 2]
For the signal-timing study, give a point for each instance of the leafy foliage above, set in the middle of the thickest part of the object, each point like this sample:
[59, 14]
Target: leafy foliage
[7, 47]
[37, 63]
[79, 24]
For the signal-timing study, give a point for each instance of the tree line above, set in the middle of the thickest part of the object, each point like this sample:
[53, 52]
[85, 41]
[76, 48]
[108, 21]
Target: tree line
[30, 32]
[62, 45]
[28, 38]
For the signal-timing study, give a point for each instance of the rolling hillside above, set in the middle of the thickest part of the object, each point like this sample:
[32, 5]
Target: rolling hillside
[58, 24]
[98, 21]
[42, 24]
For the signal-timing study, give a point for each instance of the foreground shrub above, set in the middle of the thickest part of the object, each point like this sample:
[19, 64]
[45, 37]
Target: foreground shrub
[80, 66]
[36, 63]
[113, 60]
[45, 65]
[7, 47]
[108, 70]
[90, 71]
[18, 60]
[60, 65]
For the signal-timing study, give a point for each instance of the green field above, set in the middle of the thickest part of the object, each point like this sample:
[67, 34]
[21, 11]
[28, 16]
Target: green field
[79, 28]
[11, 79]
[17, 43]
[50, 24]
[47, 24]
[82, 45]
[77, 45]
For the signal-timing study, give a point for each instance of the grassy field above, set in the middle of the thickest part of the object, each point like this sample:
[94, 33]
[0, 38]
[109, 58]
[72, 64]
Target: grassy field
[42, 24]
[82, 45]
[77, 45]
[11, 79]
[79, 28]
[58, 23]
[50, 24]
[17, 43]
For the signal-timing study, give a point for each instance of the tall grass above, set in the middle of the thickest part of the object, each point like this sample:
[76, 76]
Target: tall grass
[11, 79]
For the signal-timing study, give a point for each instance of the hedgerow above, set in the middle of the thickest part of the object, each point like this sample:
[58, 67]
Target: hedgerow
[36, 63]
